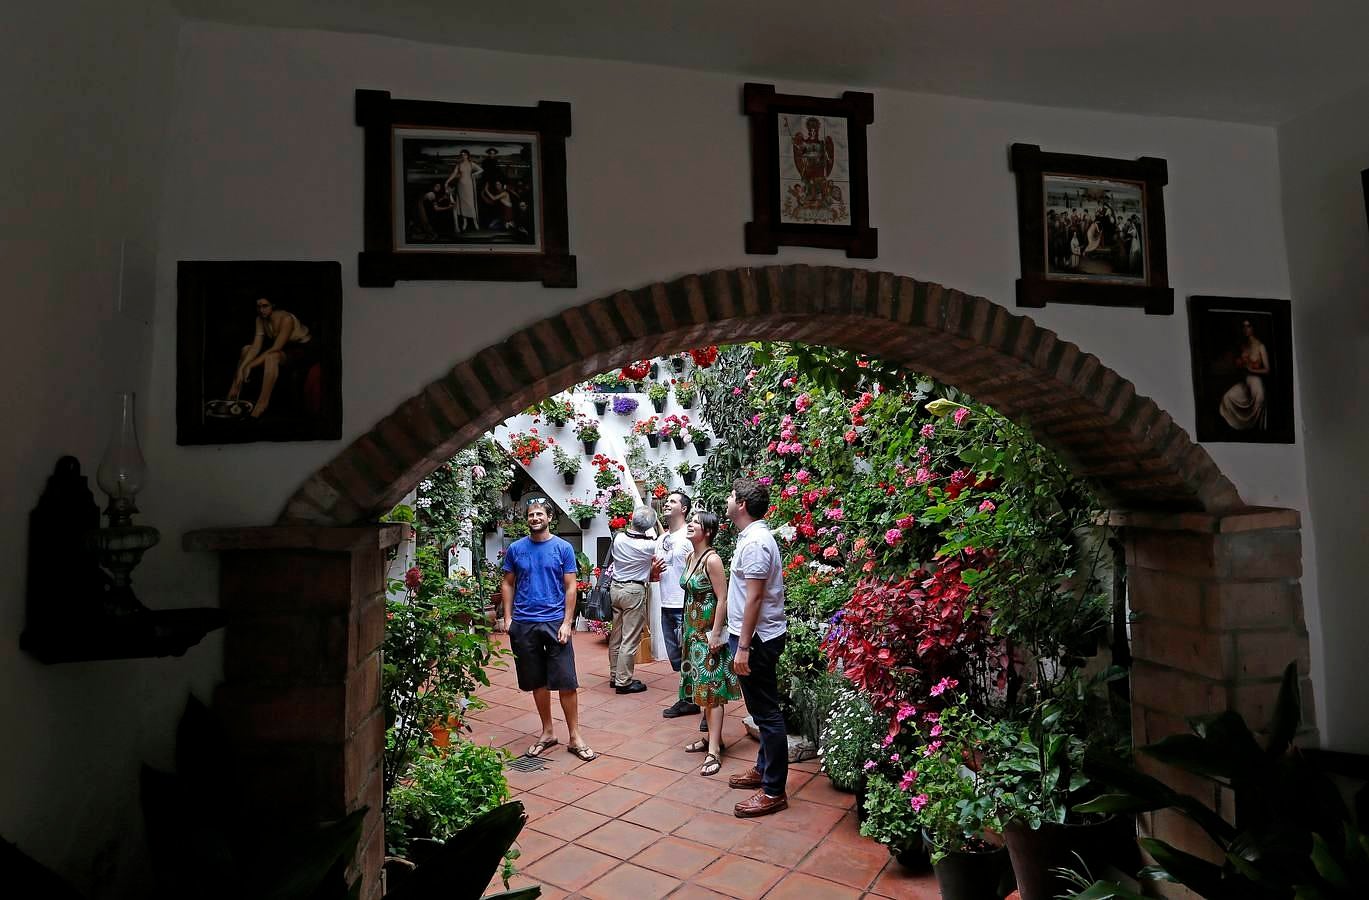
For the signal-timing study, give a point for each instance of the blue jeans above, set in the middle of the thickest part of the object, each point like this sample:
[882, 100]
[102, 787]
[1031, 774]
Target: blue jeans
[761, 691]
[672, 621]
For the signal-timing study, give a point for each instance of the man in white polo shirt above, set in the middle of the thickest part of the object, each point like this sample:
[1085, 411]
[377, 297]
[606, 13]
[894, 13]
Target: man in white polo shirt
[673, 547]
[757, 630]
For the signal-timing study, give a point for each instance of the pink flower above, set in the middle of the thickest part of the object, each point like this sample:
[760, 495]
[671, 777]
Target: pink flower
[413, 578]
[869, 764]
[905, 710]
[887, 741]
[788, 382]
[960, 416]
[906, 522]
[477, 471]
[943, 686]
[836, 513]
[756, 420]
[919, 801]
[924, 475]
[892, 536]
[931, 748]
[736, 392]
[765, 479]
[802, 476]
[987, 506]
[931, 717]
[936, 731]
[830, 553]
[850, 436]
[789, 491]
[927, 430]
[906, 782]
[893, 757]
[868, 567]
[803, 403]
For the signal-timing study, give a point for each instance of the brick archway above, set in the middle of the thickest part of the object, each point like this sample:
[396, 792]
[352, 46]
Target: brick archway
[1130, 449]
[1214, 583]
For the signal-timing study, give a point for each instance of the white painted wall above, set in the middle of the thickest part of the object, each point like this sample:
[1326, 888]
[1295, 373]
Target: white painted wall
[86, 93]
[1321, 157]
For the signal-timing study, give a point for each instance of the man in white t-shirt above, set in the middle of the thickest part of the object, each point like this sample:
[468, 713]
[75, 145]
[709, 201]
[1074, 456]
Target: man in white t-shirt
[672, 548]
[757, 630]
[634, 568]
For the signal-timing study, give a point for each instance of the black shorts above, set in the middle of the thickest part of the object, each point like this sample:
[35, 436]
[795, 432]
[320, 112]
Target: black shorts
[540, 660]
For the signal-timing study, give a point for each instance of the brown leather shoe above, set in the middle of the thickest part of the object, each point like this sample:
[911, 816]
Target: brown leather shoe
[750, 779]
[760, 804]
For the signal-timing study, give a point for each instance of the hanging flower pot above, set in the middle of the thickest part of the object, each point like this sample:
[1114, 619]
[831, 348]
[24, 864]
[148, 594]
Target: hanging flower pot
[655, 369]
[600, 406]
[590, 445]
[653, 440]
[701, 445]
[569, 478]
[584, 523]
[677, 363]
[678, 441]
[689, 477]
[658, 405]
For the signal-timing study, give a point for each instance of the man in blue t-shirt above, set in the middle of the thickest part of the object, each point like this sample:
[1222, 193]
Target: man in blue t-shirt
[538, 594]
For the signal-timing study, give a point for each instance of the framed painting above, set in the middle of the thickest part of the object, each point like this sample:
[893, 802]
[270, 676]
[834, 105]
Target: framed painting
[1242, 369]
[258, 352]
[809, 180]
[464, 192]
[1091, 230]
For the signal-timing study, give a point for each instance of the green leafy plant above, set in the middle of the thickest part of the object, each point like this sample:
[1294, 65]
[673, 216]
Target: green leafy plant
[620, 503]
[657, 392]
[461, 867]
[587, 429]
[850, 737]
[584, 509]
[565, 463]
[685, 392]
[556, 412]
[444, 791]
[1292, 836]
[685, 468]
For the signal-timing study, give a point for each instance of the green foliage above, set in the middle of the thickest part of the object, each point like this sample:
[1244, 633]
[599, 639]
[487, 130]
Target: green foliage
[685, 392]
[437, 646]
[657, 391]
[587, 429]
[556, 412]
[1293, 835]
[888, 815]
[461, 495]
[850, 737]
[620, 503]
[461, 867]
[442, 792]
[565, 463]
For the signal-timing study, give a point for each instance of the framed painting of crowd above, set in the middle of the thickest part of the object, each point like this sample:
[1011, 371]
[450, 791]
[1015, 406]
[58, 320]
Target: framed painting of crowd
[460, 191]
[258, 352]
[809, 180]
[1242, 353]
[1091, 230]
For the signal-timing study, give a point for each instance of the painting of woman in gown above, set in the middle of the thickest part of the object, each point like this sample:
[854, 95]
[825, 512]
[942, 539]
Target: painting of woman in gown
[1242, 369]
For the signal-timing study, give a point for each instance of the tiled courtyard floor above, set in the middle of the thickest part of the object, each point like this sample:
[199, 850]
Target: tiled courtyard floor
[640, 823]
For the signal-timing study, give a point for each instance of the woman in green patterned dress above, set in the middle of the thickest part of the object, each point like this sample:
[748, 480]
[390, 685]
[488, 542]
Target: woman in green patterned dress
[706, 676]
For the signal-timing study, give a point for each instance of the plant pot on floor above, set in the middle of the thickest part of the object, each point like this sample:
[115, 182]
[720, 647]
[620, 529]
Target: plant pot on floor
[701, 446]
[916, 860]
[653, 440]
[967, 875]
[569, 478]
[1035, 854]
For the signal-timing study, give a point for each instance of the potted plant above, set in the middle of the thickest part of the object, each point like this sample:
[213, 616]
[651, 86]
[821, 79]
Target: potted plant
[850, 737]
[929, 750]
[587, 430]
[685, 392]
[624, 405]
[526, 447]
[568, 464]
[607, 472]
[556, 412]
[686, 471]
[673, 427]
[647, 428]
[632, 373]
[608, 383]
[677, 363]
[658, 393]
[583, 511]
[704, 356]
[620, 504]
[700, 438]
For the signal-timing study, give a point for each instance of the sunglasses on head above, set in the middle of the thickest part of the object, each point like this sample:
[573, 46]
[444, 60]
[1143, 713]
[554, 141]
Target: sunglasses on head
[539, 501]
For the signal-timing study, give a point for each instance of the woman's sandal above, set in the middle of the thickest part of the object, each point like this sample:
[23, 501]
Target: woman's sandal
[701, 746]
[712, 765]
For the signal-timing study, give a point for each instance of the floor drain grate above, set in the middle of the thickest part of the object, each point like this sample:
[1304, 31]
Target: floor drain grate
[526, 764]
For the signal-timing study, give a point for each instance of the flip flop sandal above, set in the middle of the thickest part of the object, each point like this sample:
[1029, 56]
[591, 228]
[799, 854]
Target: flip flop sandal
[701, 746]
[583, 753]
[712, 765]
[541, 747]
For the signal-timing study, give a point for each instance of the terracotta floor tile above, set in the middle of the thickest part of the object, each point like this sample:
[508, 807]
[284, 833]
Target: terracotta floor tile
[808, 765]
[536, 806]
[897, 883]
[566, 788]
[737, 876]
[660, 814]
[527, 722]
[629, 881]
[611, 800]
[648, 780]
[640, 749]
[502, 715]
[847, 831]
[774, 845]
[676, 857]
[677, 760]
[809, 818]
[571, 867]
[533, 845]
[798, 886]
[694, 892]
[602, 741]
[568, 823]
[820, 790]
[521, 881]
[520, 782]
[619, 839]
[700, 791]
[715, 829]
[606, 768]
[854, 866]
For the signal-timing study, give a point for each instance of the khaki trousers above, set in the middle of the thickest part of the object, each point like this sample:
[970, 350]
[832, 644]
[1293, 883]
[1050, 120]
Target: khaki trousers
[629, 618]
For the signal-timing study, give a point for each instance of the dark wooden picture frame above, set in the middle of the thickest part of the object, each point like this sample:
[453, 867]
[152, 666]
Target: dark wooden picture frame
[1130, 268]
[768, 229]
[218, 308]
[541, 130]
[1242, 352]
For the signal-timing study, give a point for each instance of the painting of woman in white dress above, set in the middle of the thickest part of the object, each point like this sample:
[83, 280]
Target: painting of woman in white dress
[1242, 369]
